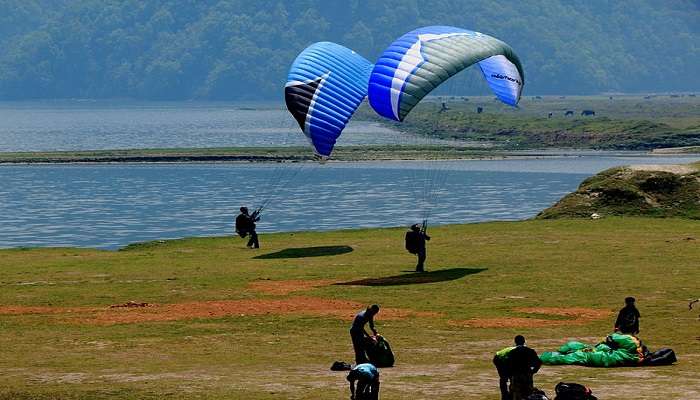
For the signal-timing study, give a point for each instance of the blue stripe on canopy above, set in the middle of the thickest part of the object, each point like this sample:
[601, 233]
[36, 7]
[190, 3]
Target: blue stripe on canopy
[325, 85]
[422, 59]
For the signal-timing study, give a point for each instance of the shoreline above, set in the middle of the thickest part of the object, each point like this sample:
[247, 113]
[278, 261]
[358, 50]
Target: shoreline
[302, 155]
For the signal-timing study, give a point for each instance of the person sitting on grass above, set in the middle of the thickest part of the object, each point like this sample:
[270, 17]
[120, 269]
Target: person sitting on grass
[367, 377]
[358, 334]
[628, 319]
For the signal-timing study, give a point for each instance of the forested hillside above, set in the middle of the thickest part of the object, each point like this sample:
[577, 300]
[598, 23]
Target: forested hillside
[241, 49]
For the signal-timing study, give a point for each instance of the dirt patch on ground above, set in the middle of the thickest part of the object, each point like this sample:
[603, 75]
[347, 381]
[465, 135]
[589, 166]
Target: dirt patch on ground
[578, 313]
[573, 316]
[311, 306]
[281, 288]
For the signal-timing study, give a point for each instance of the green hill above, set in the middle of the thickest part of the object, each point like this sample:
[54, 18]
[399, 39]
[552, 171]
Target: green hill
[235, 49]
[643, 190]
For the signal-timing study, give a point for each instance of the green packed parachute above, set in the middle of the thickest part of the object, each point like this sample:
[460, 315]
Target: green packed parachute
[617, 350]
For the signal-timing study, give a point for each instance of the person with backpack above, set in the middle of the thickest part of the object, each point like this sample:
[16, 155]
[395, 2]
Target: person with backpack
[245, 225]
[628, 318]
[500, 360]
[358, 334]
[367, 377]
[522, 363]
[415, 244]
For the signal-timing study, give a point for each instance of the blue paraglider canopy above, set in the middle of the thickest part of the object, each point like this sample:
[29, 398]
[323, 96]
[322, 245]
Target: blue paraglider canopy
[325, 85]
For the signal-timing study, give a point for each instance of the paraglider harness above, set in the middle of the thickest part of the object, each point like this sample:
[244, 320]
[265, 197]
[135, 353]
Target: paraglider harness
[245, 223]
[379, 351]
[413, 238]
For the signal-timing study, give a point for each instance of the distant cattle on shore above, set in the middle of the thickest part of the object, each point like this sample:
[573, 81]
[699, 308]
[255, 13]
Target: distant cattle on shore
[587, 112]
[479, 110]
[569, 112]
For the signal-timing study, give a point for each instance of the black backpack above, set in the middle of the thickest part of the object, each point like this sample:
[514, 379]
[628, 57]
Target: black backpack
[537, 394]
[412, 242]
[242, 225]
[379, 353]
[661, 357]
[341, 366]
[573, 391]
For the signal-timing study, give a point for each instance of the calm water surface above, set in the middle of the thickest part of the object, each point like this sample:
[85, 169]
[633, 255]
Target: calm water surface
[100, 125]
[109, 206]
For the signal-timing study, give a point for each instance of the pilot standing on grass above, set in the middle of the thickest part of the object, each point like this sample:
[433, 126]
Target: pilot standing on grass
[245, 225]
[522, 363]
[415, 244]
[500, 360]
[358, 334]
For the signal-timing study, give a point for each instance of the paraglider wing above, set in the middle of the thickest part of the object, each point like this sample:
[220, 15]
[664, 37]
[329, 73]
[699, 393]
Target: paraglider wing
[419, 61]
[325, 85]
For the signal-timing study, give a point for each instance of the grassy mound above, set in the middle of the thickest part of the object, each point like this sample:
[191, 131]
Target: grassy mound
[654, 191]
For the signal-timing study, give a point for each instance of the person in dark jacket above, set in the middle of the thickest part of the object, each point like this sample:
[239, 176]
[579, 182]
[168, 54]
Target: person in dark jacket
[628, 318]
[523, 363]
[245, 225]
[500, 360]
[415, 244]
[359, 335]
[367, 377]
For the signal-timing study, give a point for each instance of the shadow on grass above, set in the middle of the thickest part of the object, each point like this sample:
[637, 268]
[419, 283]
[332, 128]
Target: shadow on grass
[416, 277]
[302, 252]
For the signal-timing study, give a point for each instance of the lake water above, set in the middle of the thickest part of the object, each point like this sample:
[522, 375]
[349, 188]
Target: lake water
[100, 125]
[109, 206]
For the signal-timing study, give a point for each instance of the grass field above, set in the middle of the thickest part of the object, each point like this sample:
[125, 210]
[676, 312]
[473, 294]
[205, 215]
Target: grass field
[226, 322]
[621, 122]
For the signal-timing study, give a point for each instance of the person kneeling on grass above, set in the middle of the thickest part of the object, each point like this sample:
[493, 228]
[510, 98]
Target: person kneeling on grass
[367, 377]
[628, 318]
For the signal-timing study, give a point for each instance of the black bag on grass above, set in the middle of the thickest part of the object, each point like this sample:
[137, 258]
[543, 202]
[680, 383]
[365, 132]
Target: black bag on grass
[661, 357]
[341, 366]
[379, 353]
[573, 391]
[537, 394]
